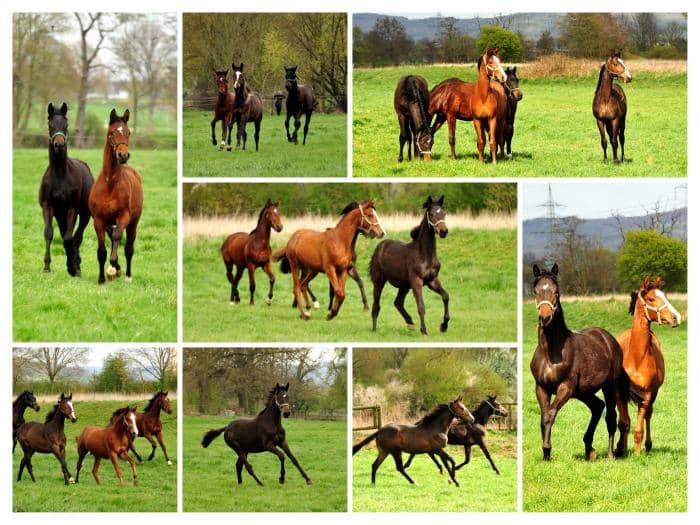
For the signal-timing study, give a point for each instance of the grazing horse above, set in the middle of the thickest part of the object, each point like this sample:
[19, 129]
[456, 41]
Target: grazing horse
[47, 438]
[223, 110]
[514, 94]
[148, 424]
[411, 99]
[300, 99]
[642, 358]
[488, 104]
[111, 442]
[410, 266]
[63, 193]
[116, 199]
[610, 104]
[263, 433]
[24, 401]
[427, 436]
[247, 107]
[577, 364]
[252, 250]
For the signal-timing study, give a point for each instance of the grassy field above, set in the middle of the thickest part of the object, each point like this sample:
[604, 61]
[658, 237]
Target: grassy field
[478, 271]
[209, 483]
[651, 482]
[55, 307]
[157, 490]
[481, 490]
[324, 155]
[555, 131]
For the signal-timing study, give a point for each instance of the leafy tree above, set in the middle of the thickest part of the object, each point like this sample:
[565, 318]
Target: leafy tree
[511, 49]
[545, 44]
[387, 41]
[115, 374]
[647, 252]
[591, 35]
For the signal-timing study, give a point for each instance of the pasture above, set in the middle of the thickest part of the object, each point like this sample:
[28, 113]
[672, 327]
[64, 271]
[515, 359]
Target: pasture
[324, 155]
[651, 482]
[157, 489]
[55, 307]
[555, 131]
[209, 475]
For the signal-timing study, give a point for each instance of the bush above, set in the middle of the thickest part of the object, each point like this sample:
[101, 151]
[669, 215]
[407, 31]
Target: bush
[647, 252]
[511, 49]
[666, 51]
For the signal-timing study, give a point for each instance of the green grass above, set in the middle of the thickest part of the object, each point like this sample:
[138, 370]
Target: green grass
[651, 482]
[157, 489]
[478, 271]
[555, 132]
[481, 489]
[56, 307]
[324, 155]
[209, 482]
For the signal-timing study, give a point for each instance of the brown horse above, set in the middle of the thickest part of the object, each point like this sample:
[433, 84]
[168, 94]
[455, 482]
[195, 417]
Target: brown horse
[24, 401]
[310, 252]
[247, 107]
[111, 442]
[300, 99]
[411, 99]
[514, 95]
[488, 104]
[116, 199]
[450, 101]
[252, 250]
[223, 110]
[148, 424]
[641, 355]
[610, 104]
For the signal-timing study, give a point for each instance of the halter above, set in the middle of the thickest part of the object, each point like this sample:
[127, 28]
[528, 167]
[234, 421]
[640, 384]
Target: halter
[420, 150]
[657, 311]
[433, 224]
[58, 133]
[612, 73]
[489, 69]
[549, 303]
[115, 146]
[365, 218]
[449, 407]
[280, 405]
[491, 405]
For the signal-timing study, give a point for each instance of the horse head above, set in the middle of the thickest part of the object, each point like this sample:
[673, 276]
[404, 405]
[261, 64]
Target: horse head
[512, 84]
[29, 400]
[272, 214]
[221, 77]
[118, 135]
[58, 127]
[369, 219]
[496, 408]
[238, 77]
[424, 141]
[281, 397]
[657, 307]
[617, 68]
[65, 407]
[165, 402]
[290, 77]
[492, 65]
[435, 215]
[546, 289]
[460, 411]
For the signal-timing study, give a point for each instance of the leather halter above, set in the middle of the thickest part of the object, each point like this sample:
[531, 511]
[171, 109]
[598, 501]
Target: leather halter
[113, 145]
[433, 224]
[657, 311]
[549, 303]
[58, 133]
[494, 408]
[365, 218]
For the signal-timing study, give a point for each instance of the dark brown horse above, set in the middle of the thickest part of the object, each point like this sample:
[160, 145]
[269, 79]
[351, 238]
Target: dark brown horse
[577, 364]
[149, 425]
[514, 95]
[450, 101]
[47, 438]
[223, 110]
[111, 442]
[278, 97]
[427, 436]
[488, 104]
[610, 104]
[410, 266]
[411, 99]
[252, 250]
[63, 193]
[300, 99]
[247, 107]
[116, 199]
[263, 433]
[24, 401]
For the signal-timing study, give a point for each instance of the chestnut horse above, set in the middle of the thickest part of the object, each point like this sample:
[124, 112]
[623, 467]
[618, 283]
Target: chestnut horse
[252, 250]
[641, 355]
[247, 106]
[300, 99]
[411, 99]
[488, 104]
[610, 104]
[148, 424]
[24, 401]
[450, 101]
[116, 199]
[514, 95]
[223, 110]
[111, 442]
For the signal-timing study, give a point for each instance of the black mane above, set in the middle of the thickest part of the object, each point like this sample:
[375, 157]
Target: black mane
[432, 416]
[152, 400]
[350, 207]
[119, 412]
[633, 301]
[52, 413]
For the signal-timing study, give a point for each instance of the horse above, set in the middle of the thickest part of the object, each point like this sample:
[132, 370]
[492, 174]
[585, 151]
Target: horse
[411, 102]
[111, 442]
[223, 110]
[278, 97]
[300, 99]
[610, 104]
[513, 95]
[148, 425]
[116, 199]
[263, 433]
[642, 359]
[427, 436]
[47, 438]
[63, 193]
[577, 364]
[252, 250]
[24, 401]
[247, 106]
[488, 104]
[450, 101]
[412, 265]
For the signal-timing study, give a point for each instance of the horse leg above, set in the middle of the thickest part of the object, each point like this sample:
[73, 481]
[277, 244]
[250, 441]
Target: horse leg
[358, 279]
[239, 470]
[294, 270]
[96, 470]
[595, 405]
[622, 138]
[241, 130]
[399, 304]
[564, 391]
[117, 468]
[377, 293]
[480, 142]
[485, 450]
[272, 448]
[286, 126]
[223, 135]
[129, 247]
[436, 286]
[410, 136]
[410, 460]
[213, 131]
[161, 442]
[437, 463]
[66, 222]
[28, 462]
[647, 441]
[399, 466]
[271, 276]
[375, 465]
[615, 130]
[402, 135]
[603, 140]
[543, 399]
[101, 249]
[229, 277]
[150, 439]
[449, 465]
[285, 446]
[21, 469]
[338, 283]
[81, 456]
[639, 427]
[306, 277]
[451, 133]
[83, 220]
[61, 457]
[417, 287]
[133, 449]
[256, 134]
[493, 139]
[467, 457]
[306, 126]
[249, 468]
[132, 464]
[623, 424]
[116, 235]
[235, 296]
[229, 132]
[48, 235]
[251, 282]
[297, 125]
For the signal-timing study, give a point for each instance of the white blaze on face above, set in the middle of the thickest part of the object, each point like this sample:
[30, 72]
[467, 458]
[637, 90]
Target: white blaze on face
[499, 66]
[675, 312]
[72, 410]
[627, 71]
[238, 78]
[132, 423]
[545, 287]
[376, 216]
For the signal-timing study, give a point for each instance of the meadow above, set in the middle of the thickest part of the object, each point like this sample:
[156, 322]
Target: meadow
[656, 481]
[209, 475]
[55, 307]
[157, 489]
[555, 132]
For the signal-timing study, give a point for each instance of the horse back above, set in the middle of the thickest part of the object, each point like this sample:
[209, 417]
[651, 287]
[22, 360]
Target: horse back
[452, 96]
[233, 247]
[307, 247]
[33, 434]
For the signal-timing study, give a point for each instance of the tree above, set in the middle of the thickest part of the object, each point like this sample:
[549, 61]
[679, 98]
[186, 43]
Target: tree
[387, 41]
[545, 44]
[114, 376]
[644, 30]
[159, 363]
[511, 49]
[591, 35]
[647, 252]
[454, 45]
[55, 362]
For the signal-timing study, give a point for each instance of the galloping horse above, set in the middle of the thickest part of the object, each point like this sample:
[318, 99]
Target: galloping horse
[450, 101]
[252, 250]
[247, 106]
[63, 193]
[116, 199]
[223, 110]
[148, 424]
[488, 104]
[610, 104]
[514, 95]
[642, 358]
[263, 433]
[411, 99]
[300, 99]
[24, 401]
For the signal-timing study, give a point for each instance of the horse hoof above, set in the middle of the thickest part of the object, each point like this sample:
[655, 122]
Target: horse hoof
[411, 326]
[443, 327]
[329, 316]
[309, 482]
[592, 455]
[111, 273]
[127, 279]
[268, 301]
[71, 481]
[316, 305]
[169, 463]
[306, 316]
[228, 148]
[232, 303]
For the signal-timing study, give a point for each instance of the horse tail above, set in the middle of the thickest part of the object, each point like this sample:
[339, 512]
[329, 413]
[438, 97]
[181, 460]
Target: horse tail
[371, 437]
[211, 436]
[281, 256]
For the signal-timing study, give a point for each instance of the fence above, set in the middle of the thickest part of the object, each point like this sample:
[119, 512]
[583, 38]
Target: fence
[509, 422]
[326, 103]
[376, 416]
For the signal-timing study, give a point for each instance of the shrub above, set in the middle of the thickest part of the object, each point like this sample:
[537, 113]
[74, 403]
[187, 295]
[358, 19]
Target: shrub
[647, 252]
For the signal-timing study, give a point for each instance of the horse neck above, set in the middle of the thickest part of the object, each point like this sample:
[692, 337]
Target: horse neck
[19, 407]
[272, 413]
[110, 165]
[425, 240]
[420, 120]
[605, 82]
[263, 229]
[58, 421]
[294, 94]
[640, 335]
[444, 419]
[348, 226]
[241, 95]
[483, 85]
[58, 161]
[482, 413]
[553, 336]
[155, 409]
[117, 427]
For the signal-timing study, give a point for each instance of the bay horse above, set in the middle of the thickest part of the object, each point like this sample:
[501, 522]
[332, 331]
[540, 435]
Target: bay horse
[252, 250]
[111, 442]
[247, 107]
[488, 104]
[223, 110]
[577, 364]
[412, 265]
[450, 101]
[610, 104]
[300, 99]
[263, 433]
[24, 401]
[411, 103]
[63, 193]
[116, 199]
[513, 95]
[310, 252]
[642, 359]
[278, 97]
[426, 436]
[47, 438]
[148, 425]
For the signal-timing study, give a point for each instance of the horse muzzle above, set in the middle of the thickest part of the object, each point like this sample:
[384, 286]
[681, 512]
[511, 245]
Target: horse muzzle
[286, 414]
[73, 419]
[123, 157]
[517, 94]
[36, 407]
[278, 227]
[442, 232]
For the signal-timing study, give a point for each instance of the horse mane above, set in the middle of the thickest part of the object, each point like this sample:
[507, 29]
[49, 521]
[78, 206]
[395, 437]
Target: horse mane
[260, 216]
[270, 397]
[633, 301]
[422, 103]
[20, 397]
[350, 207]
[51, 414]
[151, 401]
[431, 416]
[119, 412]
[600, 77]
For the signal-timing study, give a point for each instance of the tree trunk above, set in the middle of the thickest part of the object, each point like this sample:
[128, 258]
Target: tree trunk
[82, 100]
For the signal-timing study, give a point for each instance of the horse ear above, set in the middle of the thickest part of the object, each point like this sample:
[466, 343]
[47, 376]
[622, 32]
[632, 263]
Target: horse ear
[555, 269]
[646, 283]
[241, 66]
[459, 398]
[64, 109]
[277, 203]
[536, 270]
[659, 282]
[286, 387]
[112, 115]
[441, 200]
[50, 109]
[125, 117]
[428, 202]
[269, 202]
[70, 396]
[514, 68]
[277, 387]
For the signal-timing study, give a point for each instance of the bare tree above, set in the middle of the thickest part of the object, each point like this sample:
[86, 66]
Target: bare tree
[53, 362]
[158, 363]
